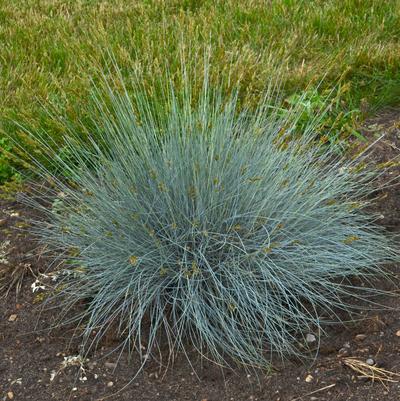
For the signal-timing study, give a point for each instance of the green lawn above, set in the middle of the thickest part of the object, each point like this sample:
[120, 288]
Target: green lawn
[50, 48]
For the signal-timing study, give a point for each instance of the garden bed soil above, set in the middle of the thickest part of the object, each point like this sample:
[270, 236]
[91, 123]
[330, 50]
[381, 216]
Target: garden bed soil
[38, 365]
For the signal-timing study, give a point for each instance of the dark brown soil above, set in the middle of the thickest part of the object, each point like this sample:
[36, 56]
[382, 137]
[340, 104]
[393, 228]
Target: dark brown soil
[31, 358]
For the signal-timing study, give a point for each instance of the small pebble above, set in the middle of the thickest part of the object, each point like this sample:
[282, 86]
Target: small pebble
[12, 318]
[10, 395]
[398, 333]
[110, 384]
[310, 338]
[309, 379]
[370, 362]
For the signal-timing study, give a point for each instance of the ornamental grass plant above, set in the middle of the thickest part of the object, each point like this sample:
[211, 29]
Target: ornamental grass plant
[191, 223]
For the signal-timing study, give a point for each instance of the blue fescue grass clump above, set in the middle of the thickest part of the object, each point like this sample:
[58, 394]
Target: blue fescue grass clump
[190, 223]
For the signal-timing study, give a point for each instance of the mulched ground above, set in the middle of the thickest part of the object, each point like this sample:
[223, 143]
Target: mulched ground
[39, 365]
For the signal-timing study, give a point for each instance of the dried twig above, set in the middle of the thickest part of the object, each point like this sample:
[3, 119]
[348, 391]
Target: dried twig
[371, 371]
[315, 391]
